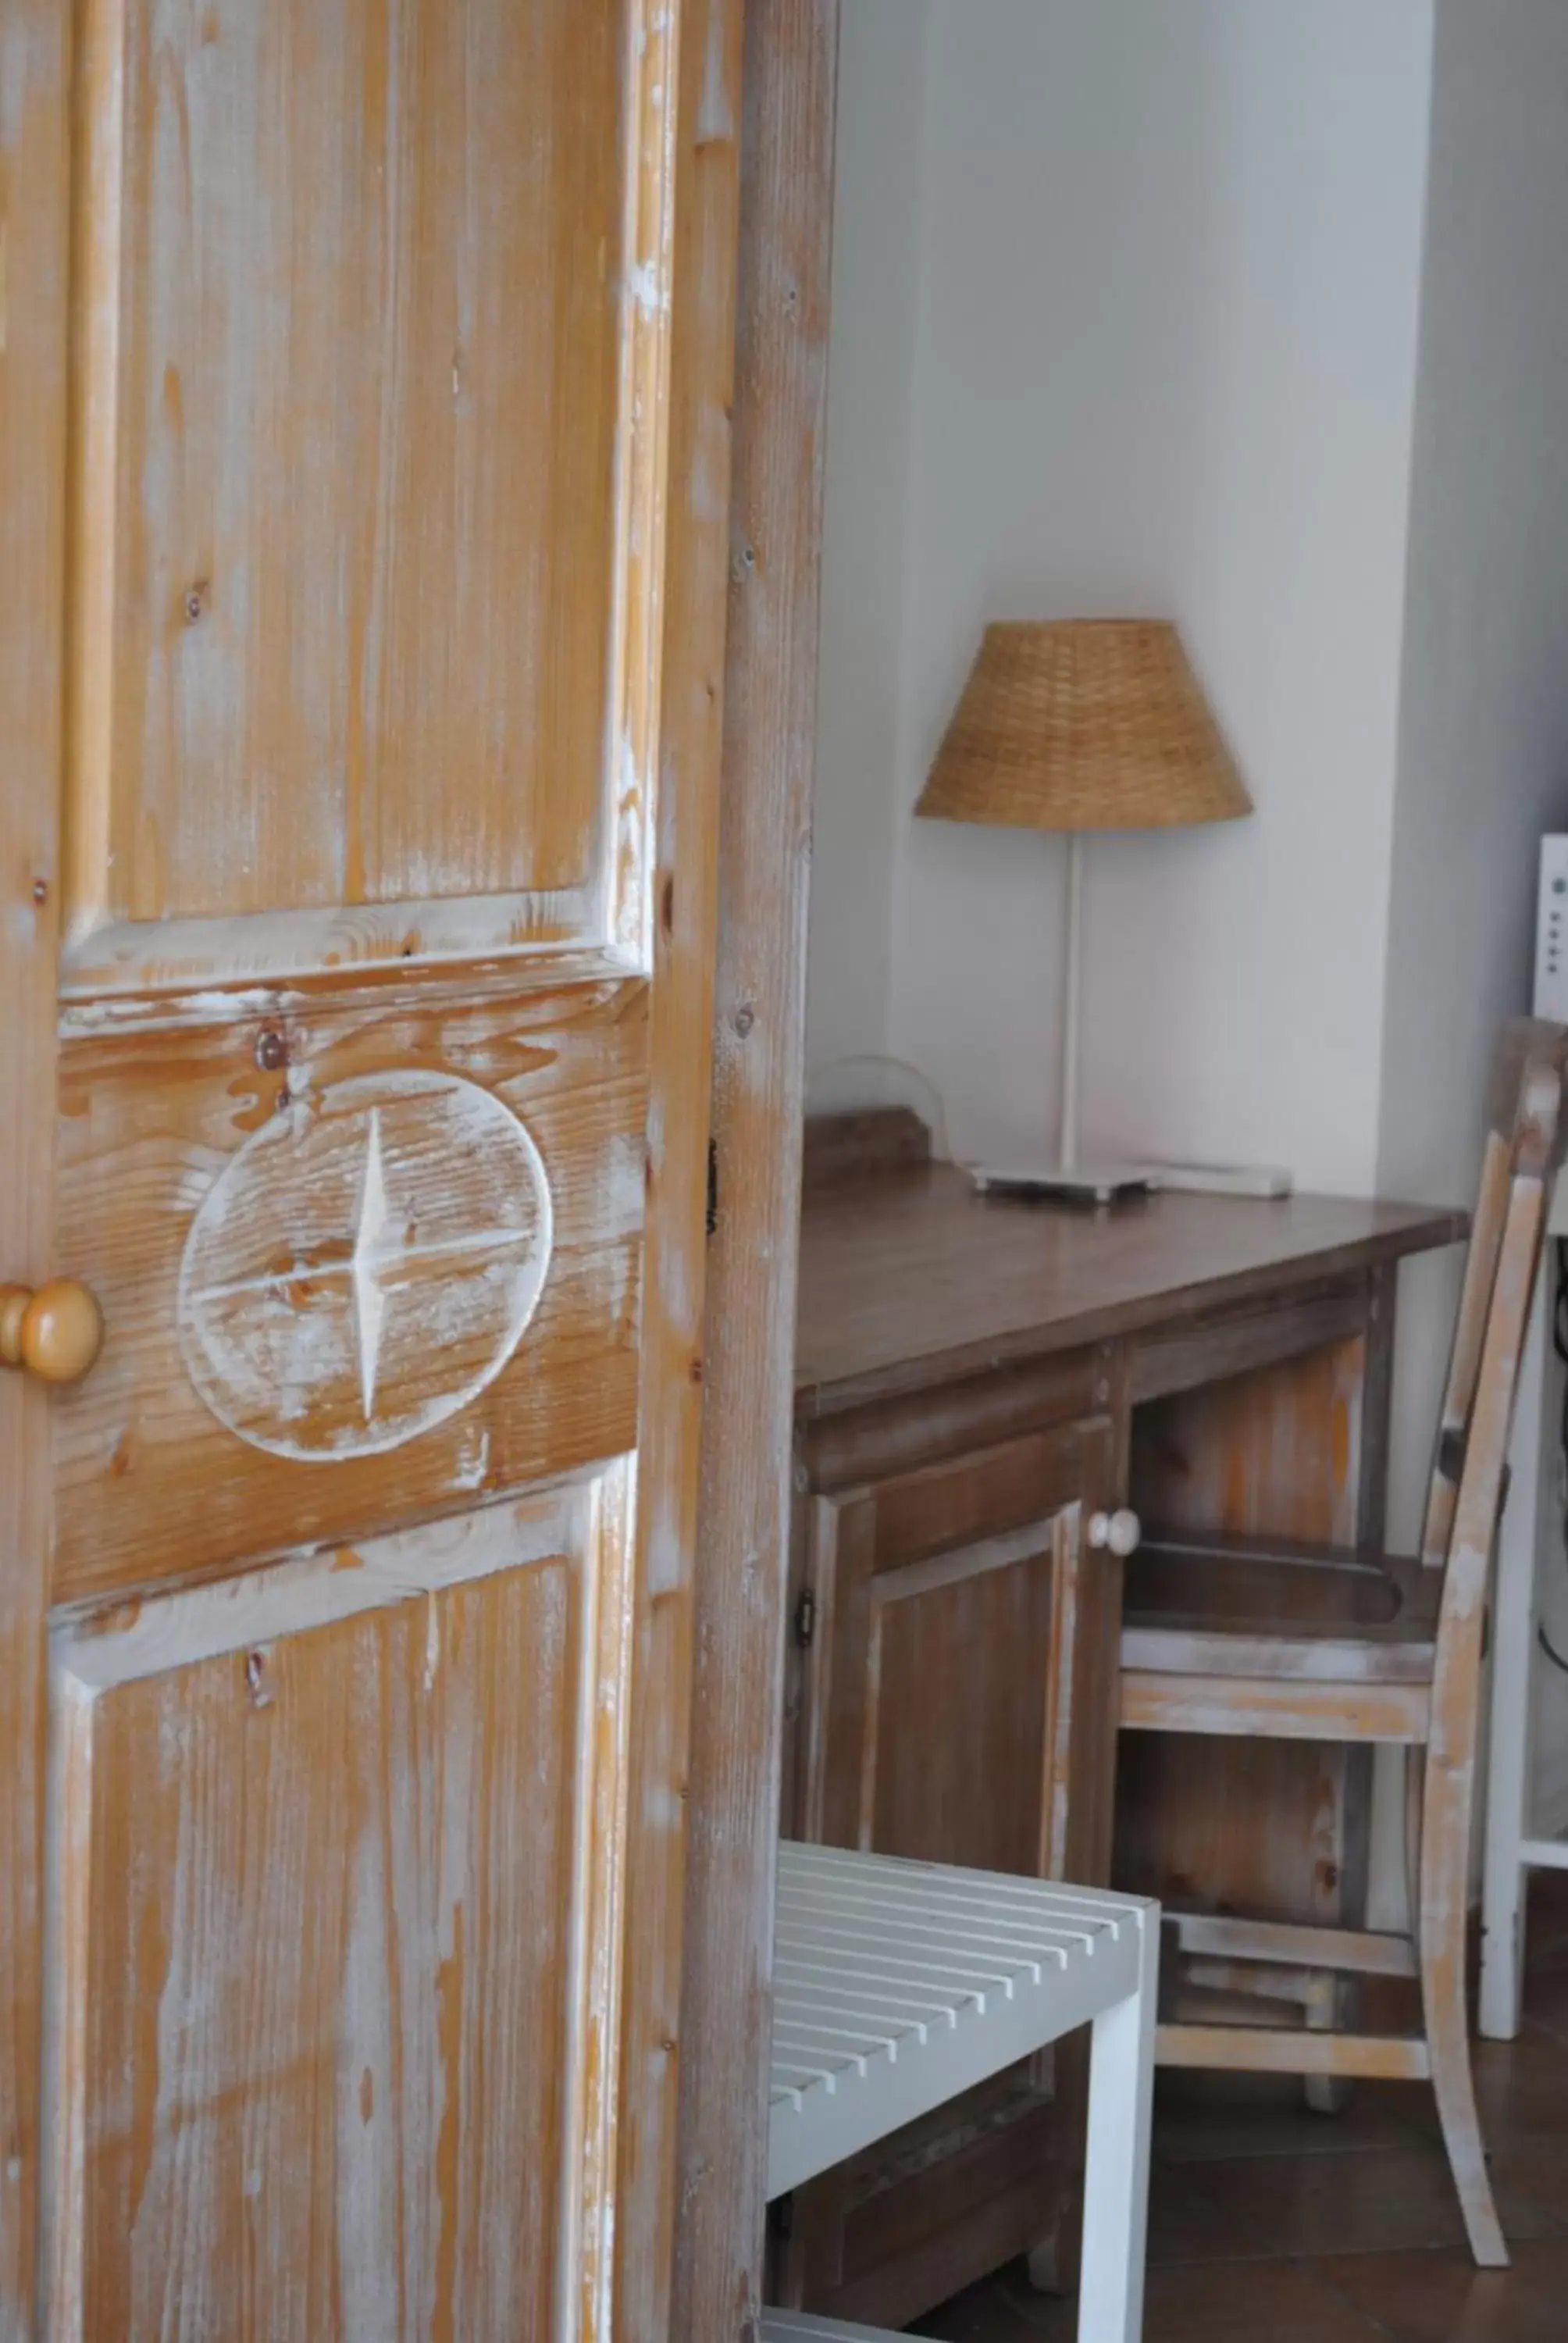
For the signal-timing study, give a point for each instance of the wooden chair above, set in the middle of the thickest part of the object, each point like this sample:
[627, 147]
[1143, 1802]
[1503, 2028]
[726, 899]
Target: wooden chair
[1399, 1661]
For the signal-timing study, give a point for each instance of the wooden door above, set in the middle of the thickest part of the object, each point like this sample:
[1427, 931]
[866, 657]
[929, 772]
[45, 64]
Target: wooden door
[364, 394]
[941, 1703]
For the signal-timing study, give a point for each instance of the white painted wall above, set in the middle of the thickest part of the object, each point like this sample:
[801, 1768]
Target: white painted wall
[862, 719]
[1483, 746]
[1164, 361]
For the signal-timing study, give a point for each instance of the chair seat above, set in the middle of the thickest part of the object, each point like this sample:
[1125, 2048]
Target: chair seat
[1343, 1677]
[1260, 1578]
[1376, 1620]
[1281, 1651]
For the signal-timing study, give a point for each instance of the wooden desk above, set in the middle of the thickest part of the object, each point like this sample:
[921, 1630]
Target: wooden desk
[977, 1377]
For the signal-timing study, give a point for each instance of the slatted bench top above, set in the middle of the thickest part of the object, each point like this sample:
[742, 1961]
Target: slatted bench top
[899, 1985]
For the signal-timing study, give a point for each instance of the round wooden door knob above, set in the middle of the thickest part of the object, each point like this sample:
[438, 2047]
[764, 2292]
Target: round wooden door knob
[1120, 1534]
[55, 1332]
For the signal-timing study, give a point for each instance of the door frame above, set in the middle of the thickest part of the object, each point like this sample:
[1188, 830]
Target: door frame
[741, 1569]
[34, 165]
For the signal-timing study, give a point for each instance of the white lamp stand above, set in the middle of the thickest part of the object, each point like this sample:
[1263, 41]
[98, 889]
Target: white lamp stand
[1068, 1178]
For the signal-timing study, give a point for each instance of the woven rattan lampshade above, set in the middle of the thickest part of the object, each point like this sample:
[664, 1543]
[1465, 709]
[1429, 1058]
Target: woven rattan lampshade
[1083, 724]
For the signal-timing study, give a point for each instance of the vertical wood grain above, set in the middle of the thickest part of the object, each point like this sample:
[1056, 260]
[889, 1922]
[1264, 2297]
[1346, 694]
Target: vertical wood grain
[324, 2033]
[93, 510]
[835, 1531]
[645, 489]
[346, 432]
[1470, 1329]
[587, 2273]
[35, 78]
[946, 1642]
[704, 160]
[1086, 1849]
[68, 1874]
[1375, 1420]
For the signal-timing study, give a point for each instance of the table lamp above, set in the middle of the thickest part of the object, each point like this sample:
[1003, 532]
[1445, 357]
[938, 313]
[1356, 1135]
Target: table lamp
[1081, 725]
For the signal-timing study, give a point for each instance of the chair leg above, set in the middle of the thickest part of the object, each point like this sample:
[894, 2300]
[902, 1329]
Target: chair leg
[1327, 2013]
[1443, 1881]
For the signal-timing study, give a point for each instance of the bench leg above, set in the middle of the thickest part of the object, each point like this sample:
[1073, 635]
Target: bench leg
[1116, 2184]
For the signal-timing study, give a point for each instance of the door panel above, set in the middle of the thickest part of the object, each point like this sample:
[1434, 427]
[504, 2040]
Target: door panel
[321, 1888]
[980, 1784]
[377, 1252]
[368, 445]
[350, 432]
[940, 1706]
[346, 419]
[373, 540]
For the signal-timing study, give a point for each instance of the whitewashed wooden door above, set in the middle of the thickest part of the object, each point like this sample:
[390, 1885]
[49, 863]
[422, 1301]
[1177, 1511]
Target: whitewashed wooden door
[364, 381]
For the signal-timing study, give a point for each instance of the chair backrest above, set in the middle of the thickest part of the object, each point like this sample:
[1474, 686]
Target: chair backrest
[1527, 1128]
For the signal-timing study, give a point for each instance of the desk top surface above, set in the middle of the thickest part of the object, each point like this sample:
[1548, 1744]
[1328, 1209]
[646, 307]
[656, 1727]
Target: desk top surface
[910, 1278]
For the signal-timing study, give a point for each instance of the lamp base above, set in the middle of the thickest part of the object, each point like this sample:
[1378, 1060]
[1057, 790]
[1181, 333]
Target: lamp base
[1083, 1183]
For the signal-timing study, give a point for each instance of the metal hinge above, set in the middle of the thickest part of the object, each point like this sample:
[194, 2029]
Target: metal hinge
[712, 1186]
[806, 1620]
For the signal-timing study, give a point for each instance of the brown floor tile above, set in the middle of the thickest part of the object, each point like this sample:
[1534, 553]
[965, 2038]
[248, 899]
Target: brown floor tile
[1442, 2298]
[1271, 2206]
[1534, 2173]
[1520, 2090]
[1200, 2116]
[1265, 2302]
[1260, 2302]
[1546, 1922]
[1545, 2002]
[1002, 2310]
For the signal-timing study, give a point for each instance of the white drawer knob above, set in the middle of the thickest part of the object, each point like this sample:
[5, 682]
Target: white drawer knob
[1119, 1533]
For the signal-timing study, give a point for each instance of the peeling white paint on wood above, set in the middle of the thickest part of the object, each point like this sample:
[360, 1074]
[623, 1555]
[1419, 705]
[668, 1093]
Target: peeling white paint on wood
[139, 955]
[298, 1593]
[337, 2099]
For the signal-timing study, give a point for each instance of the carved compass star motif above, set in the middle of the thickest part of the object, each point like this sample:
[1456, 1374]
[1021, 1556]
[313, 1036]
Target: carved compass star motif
[370, 1250]
[357, 1276]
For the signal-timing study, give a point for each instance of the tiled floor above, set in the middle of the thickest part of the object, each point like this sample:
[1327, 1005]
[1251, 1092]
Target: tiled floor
[1270, 2225]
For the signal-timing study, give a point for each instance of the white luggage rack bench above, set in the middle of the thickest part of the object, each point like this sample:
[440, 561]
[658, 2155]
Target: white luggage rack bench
[899, 1985]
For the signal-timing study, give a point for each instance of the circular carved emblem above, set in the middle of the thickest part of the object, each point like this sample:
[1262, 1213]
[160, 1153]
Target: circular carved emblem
[365, 1266]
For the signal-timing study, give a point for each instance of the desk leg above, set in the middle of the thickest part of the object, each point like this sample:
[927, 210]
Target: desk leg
[1116, 2185]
